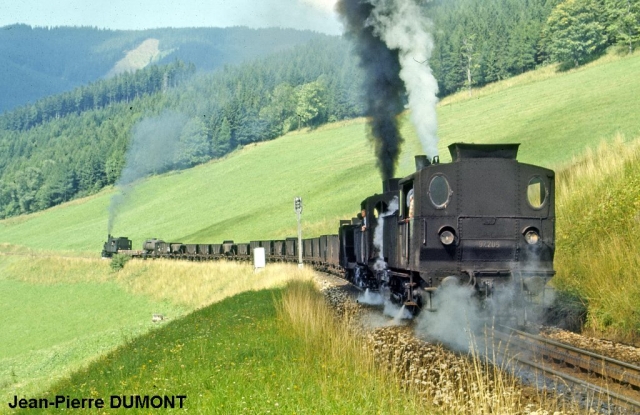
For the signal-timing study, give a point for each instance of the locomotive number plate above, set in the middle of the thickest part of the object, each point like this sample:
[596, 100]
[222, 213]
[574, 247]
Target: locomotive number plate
[488, 249]
[489, 244]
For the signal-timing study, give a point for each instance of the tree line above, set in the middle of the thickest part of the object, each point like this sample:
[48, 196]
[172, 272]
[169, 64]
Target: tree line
[122, 88]
[482, 41]
[580, 30]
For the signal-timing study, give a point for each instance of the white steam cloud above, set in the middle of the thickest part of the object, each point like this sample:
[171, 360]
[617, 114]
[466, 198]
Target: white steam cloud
[461, 320]
[324, 5]
[402, 26]
[378, 239]
[370, 298]
[397, 312]
[456, 317]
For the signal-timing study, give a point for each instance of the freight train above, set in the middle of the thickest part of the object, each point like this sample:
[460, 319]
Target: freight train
[484, 220]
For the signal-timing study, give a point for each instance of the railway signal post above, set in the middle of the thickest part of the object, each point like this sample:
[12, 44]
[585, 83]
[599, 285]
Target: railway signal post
[297, 206]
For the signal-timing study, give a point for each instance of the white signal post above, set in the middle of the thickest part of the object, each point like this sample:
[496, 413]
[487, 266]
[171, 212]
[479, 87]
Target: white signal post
[297, 206]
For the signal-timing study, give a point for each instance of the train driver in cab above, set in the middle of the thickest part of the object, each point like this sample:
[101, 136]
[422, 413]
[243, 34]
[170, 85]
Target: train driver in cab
[410, 204]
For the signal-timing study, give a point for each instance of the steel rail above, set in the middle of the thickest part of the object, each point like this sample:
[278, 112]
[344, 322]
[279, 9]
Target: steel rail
[604, 366]
[629, 402]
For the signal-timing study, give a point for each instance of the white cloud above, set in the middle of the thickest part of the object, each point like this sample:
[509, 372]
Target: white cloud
[324, 5]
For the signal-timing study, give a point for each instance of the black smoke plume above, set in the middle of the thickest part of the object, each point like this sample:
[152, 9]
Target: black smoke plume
[393, 42]
[384, 90]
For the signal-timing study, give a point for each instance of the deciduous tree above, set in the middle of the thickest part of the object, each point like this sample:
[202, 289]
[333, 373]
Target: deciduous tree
[623, 17]
[576, 32]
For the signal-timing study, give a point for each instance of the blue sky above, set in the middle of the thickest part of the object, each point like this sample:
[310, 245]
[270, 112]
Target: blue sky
[315, 15]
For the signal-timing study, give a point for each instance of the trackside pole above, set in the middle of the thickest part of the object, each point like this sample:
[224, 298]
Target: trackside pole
[297, 206]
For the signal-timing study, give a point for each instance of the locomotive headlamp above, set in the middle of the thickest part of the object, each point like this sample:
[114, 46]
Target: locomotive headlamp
[447, 237]
[532, 237]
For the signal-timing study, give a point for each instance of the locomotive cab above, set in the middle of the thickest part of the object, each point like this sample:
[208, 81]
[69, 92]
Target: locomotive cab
[362, 240]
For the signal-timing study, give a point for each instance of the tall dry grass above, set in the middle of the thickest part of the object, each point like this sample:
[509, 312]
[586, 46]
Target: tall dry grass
[197, 284]
[188, 284]
[342, 356]
[598, 236]
[420, 376]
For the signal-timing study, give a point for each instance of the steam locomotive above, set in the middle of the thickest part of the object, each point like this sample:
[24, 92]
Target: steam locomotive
[483, 220]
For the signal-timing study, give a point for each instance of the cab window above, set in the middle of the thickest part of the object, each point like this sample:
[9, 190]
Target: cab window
[439, 191]
[407, 204]
[536, 192]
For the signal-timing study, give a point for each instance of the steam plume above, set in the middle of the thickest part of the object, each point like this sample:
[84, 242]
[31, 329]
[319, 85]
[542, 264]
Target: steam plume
[457, 320]
[384, 90]
[378, 240]
[394, 48]
[153, 150]
[460, 319]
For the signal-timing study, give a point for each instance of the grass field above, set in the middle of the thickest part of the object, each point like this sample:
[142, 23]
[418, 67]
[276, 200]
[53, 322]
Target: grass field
[284, 351]
[240, 356]
[59, 313]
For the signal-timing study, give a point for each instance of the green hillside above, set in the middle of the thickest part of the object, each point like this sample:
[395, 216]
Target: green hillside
[60, 313]
[249, 194]
[598, 238]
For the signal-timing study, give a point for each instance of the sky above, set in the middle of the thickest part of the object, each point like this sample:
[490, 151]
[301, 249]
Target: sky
[317, 15]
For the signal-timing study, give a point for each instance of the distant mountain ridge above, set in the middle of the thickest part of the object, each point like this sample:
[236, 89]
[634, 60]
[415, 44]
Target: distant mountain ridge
[36, 62]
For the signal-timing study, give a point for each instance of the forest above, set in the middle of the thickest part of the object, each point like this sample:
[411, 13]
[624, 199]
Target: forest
[73, 144]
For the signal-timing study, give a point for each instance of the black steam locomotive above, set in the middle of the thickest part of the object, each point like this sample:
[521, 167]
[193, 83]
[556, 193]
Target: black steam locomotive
[482, 220]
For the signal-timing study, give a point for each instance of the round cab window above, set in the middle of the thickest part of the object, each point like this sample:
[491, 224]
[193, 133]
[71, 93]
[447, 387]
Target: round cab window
[536, 192]
[439, 192]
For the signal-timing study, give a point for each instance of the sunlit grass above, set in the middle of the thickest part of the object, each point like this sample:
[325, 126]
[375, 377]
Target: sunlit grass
[196, 284]
[241, 356]
[58, 313]
[540, 74]
[598, 238]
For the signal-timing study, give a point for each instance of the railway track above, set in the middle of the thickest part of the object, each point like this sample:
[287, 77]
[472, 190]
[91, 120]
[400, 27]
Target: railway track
[611, 380]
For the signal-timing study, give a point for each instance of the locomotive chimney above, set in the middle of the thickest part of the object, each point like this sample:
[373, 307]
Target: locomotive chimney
[421, 162]
[390, 185]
